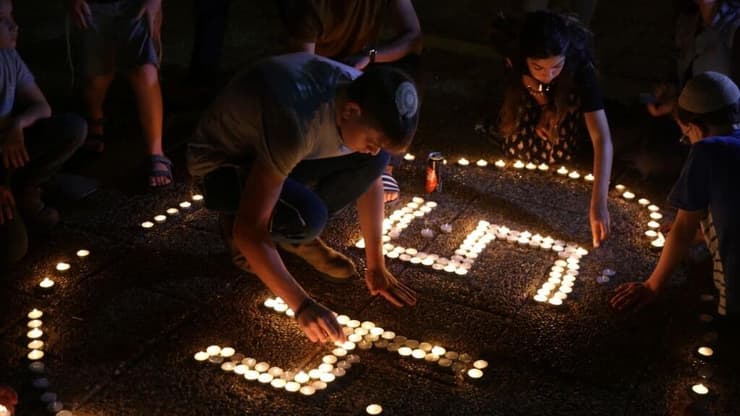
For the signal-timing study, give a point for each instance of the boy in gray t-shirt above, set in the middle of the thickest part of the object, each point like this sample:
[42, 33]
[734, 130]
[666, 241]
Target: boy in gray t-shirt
[290, 143]
[33, 145]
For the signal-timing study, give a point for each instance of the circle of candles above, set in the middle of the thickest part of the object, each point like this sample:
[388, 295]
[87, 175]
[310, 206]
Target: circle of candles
[83, 253]
[35, 355]
[500, 163]
[35, 323]
[705, 351]
[700, 389]
[35, 314]
[36, 367]
[160, 218]
[47, 283]
[628, 195]
[36, 344]
[63, 267]
[185, 204]
[147, 224]
[374, 409]
[481, 163]
[172, 211]
[463, 162]
[409, 157]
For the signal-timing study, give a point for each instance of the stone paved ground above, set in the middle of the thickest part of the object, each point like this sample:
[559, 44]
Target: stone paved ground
[122, 326]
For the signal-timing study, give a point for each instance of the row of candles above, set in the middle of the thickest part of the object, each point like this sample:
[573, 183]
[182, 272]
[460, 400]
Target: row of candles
[36, 346]
[705, 354]
[360, 336]
[171, 212]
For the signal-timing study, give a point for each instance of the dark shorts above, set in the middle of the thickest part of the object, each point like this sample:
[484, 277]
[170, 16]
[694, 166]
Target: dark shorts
[115, 38]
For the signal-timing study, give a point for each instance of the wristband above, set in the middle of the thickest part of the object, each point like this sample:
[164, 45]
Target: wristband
[303, 306]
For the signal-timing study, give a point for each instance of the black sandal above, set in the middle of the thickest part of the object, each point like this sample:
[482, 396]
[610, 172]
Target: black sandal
[157, 172]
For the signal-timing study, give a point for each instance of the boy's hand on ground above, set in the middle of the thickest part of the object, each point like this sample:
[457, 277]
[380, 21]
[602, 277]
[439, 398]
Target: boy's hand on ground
[319, 324]
[14, 150]
[79, 10]
[600, 224]
[633, 295]
[7, 204]
[382, 282]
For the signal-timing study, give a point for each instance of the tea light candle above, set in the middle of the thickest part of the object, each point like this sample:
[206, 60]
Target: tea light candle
[36, 344]
[47, 283]
[643, 202]
[574, 175]
[147, 224]
[562, 171]
[427, 233]
[619, 187]
[185, 204]
[197, 197]
[374, 409]
[261, 366]
[653, 208]
[227, 352]
[589, 178]
[705, 351]
[36, 367]
[339, 352]
[481, 163]
[463, 162]
[405, 351]
[63, 267]
[628, 195]
[651, 233]
[653, 224]
[160, 218]
[83, 253]
[228, 366]
[409, 157]
[475, 373]
[307, 390]
[251, 375]
[265, 378]
[530, 166]
[35, 355]
[35, 314]
[500, 163]
[35, 333]
[518, 164]
[700, 389]
[35, 323]
[656, 215]
[543, 167]
[201, 356]
[480, 364]
[555, 301]
[541, 298]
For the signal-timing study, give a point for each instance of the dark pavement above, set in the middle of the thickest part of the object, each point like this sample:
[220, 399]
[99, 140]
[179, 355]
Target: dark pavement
[122, 326]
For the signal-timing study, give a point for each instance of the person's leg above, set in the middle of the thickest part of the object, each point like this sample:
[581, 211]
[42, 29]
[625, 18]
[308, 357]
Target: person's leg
[145, 82]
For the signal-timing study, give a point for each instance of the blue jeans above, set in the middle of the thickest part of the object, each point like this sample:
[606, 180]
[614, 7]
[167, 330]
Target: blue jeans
[313, 192]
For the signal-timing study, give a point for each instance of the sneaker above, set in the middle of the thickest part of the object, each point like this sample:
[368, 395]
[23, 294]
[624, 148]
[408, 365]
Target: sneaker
[335, 265]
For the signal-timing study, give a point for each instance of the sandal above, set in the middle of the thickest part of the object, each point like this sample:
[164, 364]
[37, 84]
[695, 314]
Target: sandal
[390, 185]
[155, 171]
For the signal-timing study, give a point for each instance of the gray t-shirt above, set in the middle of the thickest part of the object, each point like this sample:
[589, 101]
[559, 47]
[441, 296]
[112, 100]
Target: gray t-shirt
[280, 112]
[13, 74]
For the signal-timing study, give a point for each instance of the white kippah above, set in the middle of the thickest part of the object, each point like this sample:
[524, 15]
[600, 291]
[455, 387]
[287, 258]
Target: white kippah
[708, 92]
[407, 102]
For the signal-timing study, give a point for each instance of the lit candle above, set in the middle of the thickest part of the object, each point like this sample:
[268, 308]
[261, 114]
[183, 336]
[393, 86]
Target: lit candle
[83, 253]
[201, 356]
[278, 383]
[374, 409]
[519, 164]
[656, 215]
[541, 298]
[261, 366]
[185, 204]
[37, 367]
[265, 378]
[160, 218]
[292, 386]
[147, 224]
[213, 350]
[227, 352]
[228, 366]
[543, 167]
[427, 233]
[562, 171]
[705, 351]
[480, 364]
[197, 197]
[653, 224]
[35, 355]
[589, 178]
[251, 375]
[47, 283]
[700, 389]
[35, 323]
[409, 157]
[475, 373]
[463, 162]
[35, 333]
[172, 211]
[628, 195]
[36, 344]
[643, 202]
[500, 163]
[530, 166]
[63, 267]
[619, 187]
[651, 233]
[574, 175]
[35, 314]
[481, 163]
